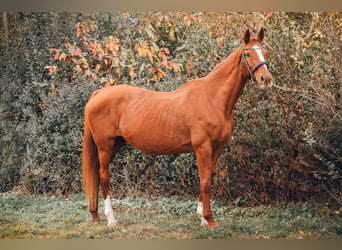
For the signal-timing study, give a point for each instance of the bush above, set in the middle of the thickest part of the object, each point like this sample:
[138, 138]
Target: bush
[54, 142]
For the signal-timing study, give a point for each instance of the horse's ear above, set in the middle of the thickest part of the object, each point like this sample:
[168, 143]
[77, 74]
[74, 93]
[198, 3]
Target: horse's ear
[247, 36]
[261, 34]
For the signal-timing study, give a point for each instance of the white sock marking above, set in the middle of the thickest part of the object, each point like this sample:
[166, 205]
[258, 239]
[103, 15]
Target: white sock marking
[261, 57]
[199, 211]
[109, 212]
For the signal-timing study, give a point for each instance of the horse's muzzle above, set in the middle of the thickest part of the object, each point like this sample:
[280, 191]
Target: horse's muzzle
[265, 80]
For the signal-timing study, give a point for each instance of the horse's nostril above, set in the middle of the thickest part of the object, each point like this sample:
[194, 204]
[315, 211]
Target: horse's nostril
[262, 78]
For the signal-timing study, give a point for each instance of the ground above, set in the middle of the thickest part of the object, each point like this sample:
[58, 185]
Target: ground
[23, 217]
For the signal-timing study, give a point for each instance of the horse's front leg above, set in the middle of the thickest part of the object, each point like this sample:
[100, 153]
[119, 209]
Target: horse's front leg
[205, 168]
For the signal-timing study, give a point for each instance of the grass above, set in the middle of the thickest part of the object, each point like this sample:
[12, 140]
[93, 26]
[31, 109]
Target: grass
[165, 218]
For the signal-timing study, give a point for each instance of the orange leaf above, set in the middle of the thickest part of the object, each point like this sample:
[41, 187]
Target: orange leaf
[111, 46]
[167, 51]
[52, 69]
[175, 67]
[140, 27]
[62, 57]
[76, 52]
[57, 55]
[85, 64]
[153, 70]
[150, 57]
[142, 51]
[132, 73]
[97, 67]
[78, 68]
[187, 21]
[152, 50]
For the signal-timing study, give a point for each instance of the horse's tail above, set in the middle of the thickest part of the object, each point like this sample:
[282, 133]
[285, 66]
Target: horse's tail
[90, 168]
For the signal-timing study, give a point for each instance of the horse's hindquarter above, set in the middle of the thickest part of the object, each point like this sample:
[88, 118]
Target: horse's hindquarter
[155, 122]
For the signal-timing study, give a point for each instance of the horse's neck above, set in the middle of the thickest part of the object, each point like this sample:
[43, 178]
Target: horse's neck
[226, 82]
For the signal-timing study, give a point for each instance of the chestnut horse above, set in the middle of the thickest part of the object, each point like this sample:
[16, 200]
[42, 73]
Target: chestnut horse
[196, 117]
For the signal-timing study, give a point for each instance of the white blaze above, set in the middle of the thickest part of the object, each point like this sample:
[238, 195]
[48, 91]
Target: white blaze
[200, 213]
[109, 212]
[261, 57]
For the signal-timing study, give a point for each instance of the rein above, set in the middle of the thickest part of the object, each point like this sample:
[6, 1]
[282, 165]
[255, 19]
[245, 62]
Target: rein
[252, 71]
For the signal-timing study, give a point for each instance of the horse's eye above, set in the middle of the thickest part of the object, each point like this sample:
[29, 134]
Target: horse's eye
[248, 55]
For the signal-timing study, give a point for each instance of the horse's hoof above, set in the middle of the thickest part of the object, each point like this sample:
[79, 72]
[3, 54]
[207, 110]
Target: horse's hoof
[112, 225]
[95, 218]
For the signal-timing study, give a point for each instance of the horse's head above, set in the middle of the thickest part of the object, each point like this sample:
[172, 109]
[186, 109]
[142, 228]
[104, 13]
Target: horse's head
[254, 59]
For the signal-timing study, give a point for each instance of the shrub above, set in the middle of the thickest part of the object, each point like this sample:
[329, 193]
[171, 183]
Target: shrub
[54, 142]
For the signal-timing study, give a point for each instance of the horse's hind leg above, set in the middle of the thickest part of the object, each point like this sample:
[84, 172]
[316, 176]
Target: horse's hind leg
[206, 160]
[106, 155]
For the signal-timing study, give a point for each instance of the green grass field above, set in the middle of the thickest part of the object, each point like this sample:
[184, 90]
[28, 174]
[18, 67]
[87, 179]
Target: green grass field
[164, 218]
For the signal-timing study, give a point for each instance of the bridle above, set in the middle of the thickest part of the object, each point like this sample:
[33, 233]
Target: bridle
[252, 71]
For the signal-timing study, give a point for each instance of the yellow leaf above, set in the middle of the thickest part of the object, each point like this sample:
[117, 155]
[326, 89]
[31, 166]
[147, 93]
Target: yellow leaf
[142, 51]
[97, 67]
[301, 232]
[85, 65]
[175, 67]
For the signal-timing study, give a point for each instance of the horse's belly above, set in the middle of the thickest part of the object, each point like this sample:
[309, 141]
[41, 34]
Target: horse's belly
[156, 137]
[155, 123]
[159, 145]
